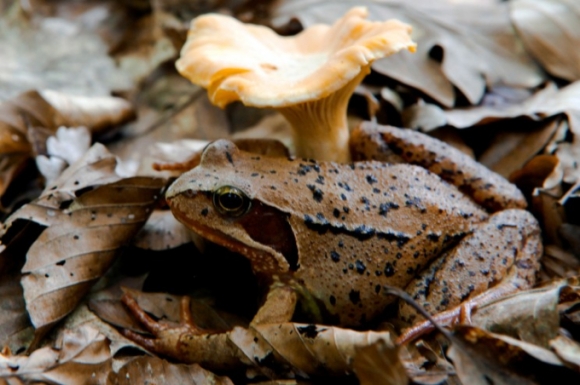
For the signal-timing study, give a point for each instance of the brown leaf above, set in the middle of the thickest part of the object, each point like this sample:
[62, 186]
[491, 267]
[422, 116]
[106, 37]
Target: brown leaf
[481, 357]
[379, 363]
[153, 370]
[547, 102]
[474, 41]
[82, 355]
[89, 213]
[302, 349]
[530, 315]
[510, 150]
[22, 117]
[548, 29]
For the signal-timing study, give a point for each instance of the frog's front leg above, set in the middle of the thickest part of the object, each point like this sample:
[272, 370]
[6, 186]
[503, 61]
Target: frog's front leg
[370, 141]
[212, 349]
[500, 257]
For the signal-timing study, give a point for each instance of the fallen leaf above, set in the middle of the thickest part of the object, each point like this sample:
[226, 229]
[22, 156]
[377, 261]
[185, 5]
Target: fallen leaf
[81, 355]
[56, 54]
[530, 315]
[27, 114]
[90, 212]
[510, 150]
[568, 350]
[302, 349]
[548, 101]
[473, 44]
[153, 370]
[481, 357]
[379, 363]
[548, 29]
[162, 231]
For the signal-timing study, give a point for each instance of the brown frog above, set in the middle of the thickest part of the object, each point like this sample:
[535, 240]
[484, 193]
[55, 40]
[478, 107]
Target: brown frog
[344, 231]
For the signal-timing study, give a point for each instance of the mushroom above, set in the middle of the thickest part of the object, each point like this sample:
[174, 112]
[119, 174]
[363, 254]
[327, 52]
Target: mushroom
[309, 78]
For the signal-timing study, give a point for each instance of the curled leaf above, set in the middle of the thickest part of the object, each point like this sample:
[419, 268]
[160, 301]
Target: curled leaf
[81, 354]
[90, 212]
[548, 29]
[152, 370]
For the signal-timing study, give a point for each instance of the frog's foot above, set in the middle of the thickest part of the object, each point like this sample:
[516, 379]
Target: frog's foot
[185, 341]
[166, 337]
[501, 256]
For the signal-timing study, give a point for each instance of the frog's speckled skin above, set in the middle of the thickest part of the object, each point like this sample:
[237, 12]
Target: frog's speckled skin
[343, 231]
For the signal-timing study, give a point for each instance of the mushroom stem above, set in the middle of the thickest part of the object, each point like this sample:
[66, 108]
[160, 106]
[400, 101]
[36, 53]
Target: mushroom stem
[320, 126]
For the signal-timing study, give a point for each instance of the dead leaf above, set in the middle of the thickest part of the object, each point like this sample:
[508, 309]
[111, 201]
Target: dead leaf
[81, 357]
[96, 113]
[530, 315]
[481, 357]
[162, 231]
[510, 150]
[568, 350]
[548, 29]
[379, 363]
[302, 349]
[89, 213]
[474, 42]
[153, 370]
[548, 101]
[55, 54]
[24, 116]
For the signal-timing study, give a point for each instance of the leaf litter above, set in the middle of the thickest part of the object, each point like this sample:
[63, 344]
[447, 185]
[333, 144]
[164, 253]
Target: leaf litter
[470, 54]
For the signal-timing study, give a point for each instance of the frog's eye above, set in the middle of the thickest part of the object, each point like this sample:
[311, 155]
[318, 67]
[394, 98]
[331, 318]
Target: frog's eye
[231, 201]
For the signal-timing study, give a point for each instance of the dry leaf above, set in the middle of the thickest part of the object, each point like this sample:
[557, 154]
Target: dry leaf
[530, 315]
[162, 231]
[153, 370]
[56, 54]
[568, 350]
[475, 42]
[548, 29]
[549, 101]
[24, 116]
[379, 363]
[305, 350]
[81, 357]
[89, 213]
[481, 357]
[510, 150]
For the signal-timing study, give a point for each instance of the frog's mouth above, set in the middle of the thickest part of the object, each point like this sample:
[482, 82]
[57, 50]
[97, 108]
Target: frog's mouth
[265, 260]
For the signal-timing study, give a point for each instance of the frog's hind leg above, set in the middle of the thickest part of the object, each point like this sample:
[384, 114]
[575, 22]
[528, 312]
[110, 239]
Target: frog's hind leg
[500, 256]
[370, 141]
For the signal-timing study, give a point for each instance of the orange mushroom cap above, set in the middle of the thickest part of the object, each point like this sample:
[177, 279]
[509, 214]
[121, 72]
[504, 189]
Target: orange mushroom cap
[253, 64]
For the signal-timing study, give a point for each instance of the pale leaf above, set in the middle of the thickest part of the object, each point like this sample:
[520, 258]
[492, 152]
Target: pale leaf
[548, 29]
[153, 370]
[479, 47]
[82, 355]
[53, 53]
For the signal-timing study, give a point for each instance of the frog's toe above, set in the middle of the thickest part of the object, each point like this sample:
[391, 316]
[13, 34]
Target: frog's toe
[166, 337]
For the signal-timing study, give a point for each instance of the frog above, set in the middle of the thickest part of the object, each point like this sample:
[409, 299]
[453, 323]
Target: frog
[411, 212]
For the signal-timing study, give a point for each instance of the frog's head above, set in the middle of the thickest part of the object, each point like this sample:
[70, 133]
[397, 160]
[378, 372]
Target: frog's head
[220, 200]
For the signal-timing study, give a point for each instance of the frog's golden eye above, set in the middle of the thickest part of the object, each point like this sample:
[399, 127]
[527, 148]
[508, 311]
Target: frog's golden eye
[231, 201]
